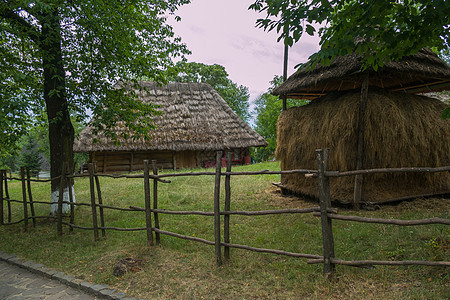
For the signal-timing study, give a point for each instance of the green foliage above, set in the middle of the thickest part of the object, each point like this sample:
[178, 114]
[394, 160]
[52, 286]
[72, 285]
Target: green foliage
[379, 31]
[14, 121]
[102, 43]
[267, 108]
[8, 162]
[444, 54]
[446, 113]
[235, 95]
[30, 156]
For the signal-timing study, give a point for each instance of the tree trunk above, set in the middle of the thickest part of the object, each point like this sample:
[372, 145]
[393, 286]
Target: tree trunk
[61, 132]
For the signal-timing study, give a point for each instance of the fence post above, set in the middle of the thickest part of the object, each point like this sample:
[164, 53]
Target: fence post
[217, 209]
[155, 201]
[100, 202]
[30, 196]
[72, 206]
[61, 197]
[93, 205]
[357, 193]
[226, 220]
[24, 197]
[325, 204]
[7, 196]
[148, 212]
[2, 221]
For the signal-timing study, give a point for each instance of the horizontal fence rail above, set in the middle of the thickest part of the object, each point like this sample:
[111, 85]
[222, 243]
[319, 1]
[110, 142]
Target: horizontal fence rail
[390, 170]
[370, 263]
[388, 221]
[152, 211]
[243, 213]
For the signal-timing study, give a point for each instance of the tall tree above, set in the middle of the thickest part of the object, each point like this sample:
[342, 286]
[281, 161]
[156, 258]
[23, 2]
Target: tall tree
[65, 56]
[267, 108]
[237, 96]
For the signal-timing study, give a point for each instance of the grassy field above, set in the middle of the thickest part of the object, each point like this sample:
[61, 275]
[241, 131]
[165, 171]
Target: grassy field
[183, 269]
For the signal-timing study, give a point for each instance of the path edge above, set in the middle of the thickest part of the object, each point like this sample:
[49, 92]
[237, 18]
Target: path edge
[102, 291]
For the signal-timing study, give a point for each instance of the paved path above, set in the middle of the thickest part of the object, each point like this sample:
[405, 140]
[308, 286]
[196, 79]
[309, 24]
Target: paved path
[20, 284]
[27, 280]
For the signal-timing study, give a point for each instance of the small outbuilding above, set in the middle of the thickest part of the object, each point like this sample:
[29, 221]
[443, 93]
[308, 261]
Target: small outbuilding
[384, 125]
[195, 123]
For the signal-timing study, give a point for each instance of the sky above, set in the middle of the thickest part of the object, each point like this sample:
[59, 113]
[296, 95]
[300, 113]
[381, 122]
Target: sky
[224, 32]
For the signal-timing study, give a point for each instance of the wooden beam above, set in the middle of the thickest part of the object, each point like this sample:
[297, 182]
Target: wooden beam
[357, 195]
[217, 243]
[174, 159]
[104, 162]
[2, 221]
[148, 213]
[325, 204]
[226, 221]
[131, 161]
[285, 67]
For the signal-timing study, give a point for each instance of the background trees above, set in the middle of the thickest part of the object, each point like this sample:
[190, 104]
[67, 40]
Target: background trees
[237, 96]
[267, 108]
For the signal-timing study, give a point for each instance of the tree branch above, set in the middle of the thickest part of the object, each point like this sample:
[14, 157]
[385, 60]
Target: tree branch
[21, 24]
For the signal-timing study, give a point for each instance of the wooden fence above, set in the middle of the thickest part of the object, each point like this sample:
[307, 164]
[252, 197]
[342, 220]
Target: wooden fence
[324, 211]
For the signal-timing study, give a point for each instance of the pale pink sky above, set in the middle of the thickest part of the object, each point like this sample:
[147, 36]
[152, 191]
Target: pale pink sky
[223, 32]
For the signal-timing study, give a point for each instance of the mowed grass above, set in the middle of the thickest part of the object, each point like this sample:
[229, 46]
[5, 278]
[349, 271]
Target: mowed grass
[182, 269]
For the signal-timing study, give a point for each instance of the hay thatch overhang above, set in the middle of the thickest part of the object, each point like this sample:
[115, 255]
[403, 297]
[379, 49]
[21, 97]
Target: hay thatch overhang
[420, 73]
[194, 117]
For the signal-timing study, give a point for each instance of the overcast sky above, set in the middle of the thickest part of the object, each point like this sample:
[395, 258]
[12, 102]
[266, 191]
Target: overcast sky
[223, 32]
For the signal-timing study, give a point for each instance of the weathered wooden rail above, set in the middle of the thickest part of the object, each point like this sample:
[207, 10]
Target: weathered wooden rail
[152, 228]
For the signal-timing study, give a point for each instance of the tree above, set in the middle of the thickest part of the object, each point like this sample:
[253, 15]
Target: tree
[267, 108]
[59, 57]
[30, 156]
[235, 95]
[379, 31]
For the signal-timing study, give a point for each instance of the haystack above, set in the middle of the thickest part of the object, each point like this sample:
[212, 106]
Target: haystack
[402, 130]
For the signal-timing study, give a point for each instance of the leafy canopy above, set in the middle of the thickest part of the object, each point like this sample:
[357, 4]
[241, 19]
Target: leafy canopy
[103, 42]
[236, 96]
[380, 31]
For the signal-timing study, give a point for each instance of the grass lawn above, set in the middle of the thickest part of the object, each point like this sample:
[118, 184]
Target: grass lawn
[183, 269]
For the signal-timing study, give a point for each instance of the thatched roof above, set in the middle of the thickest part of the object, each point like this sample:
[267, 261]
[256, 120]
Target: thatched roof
[194, 117]
[402, 130]
[419, 73]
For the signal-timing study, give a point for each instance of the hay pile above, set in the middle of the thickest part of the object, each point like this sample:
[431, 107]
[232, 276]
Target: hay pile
[402, 130]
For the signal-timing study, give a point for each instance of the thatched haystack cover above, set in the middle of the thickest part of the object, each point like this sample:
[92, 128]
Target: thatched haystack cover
[402, 130]
[195, 117]
[420, 73]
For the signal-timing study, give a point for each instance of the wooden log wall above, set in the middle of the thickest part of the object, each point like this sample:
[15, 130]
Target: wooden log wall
[122, 162]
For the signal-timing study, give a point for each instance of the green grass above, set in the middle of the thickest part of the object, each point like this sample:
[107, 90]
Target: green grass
[184, 269]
